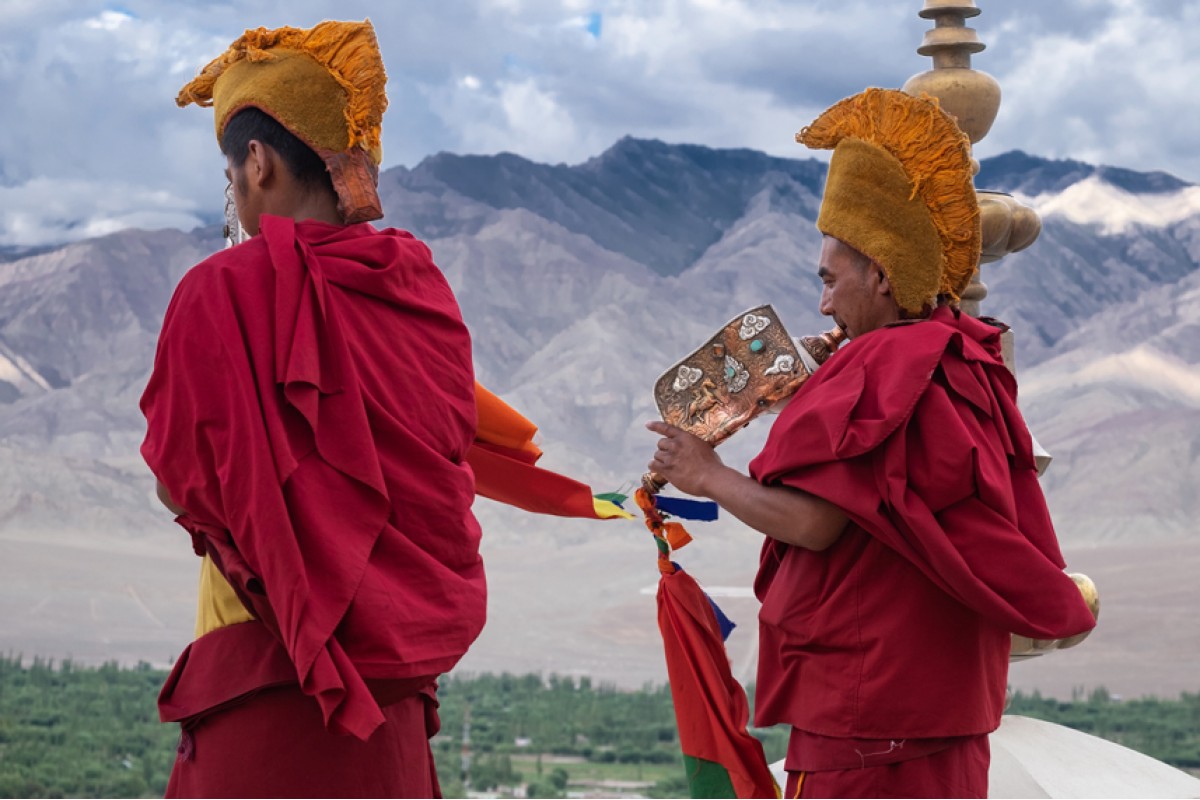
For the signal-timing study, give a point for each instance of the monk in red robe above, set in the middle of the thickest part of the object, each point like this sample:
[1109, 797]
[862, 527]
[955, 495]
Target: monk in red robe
[309, 414]
[907, 536]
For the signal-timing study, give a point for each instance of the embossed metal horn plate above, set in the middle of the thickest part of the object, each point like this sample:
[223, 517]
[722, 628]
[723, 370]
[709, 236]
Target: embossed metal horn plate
[743, 370]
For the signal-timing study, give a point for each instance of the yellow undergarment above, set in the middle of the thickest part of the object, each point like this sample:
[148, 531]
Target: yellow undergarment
[218, 604]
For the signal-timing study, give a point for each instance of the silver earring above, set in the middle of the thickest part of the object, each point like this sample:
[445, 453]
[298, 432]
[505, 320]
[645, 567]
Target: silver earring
[233, 231]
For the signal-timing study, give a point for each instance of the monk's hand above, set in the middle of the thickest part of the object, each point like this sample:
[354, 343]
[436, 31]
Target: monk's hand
[685, 460]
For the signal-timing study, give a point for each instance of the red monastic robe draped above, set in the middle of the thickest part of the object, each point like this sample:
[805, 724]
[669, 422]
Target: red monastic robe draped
[901, 629]
[311, 406]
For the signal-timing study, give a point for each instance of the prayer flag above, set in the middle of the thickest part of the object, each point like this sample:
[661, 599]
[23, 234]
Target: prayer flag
[711, 710]
[503, 459]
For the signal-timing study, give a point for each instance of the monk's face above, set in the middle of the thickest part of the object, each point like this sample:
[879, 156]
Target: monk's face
[857, 293]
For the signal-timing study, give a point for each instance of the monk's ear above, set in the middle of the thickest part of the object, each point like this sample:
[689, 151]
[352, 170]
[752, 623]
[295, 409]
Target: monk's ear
[884, 285]
[260, 163]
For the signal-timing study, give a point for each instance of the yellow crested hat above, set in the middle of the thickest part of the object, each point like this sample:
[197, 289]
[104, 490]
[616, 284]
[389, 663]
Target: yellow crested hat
[899, 191]
[324, 84]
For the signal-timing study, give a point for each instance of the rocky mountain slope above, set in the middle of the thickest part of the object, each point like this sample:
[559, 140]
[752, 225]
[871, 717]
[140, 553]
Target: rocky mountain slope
[581, 284]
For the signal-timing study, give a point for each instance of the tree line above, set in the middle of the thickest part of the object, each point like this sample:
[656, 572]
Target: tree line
[73, 731]
[1168, 730]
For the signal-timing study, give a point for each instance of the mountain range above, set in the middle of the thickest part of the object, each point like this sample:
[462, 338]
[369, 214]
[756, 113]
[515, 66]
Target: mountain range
[581, 284]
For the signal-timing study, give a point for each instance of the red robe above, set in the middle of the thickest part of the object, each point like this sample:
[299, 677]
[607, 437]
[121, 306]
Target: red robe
[311, 406]
[901, 628]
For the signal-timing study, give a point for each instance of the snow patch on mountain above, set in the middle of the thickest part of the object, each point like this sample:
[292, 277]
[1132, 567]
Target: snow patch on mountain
[16, 370]
[1143, 367]
[1095, 201]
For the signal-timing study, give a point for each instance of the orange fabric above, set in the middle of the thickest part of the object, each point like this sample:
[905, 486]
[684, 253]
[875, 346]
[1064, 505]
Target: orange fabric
[655, 524]
[503, 458]
[677, 535]
[501, 424]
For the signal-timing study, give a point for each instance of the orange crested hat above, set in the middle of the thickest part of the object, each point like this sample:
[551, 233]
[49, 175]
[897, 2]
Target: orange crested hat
[324, 84]
[899, 191]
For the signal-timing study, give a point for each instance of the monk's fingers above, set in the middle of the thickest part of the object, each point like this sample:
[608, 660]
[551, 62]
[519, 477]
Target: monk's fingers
[662, 428]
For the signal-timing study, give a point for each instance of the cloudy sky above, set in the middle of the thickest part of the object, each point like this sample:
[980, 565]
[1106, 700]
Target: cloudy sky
[91, 140]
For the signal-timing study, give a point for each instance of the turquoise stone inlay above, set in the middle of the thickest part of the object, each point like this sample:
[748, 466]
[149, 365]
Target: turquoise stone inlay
[756, 346]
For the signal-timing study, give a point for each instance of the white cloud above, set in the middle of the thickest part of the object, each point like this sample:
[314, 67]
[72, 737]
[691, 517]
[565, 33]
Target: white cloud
[1123, 94]
[108, 20]
[47, 210]
[534, 117]
[89, 86]
[1143, 367]
[1092, 201]
[515, 116]
[94, 141]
